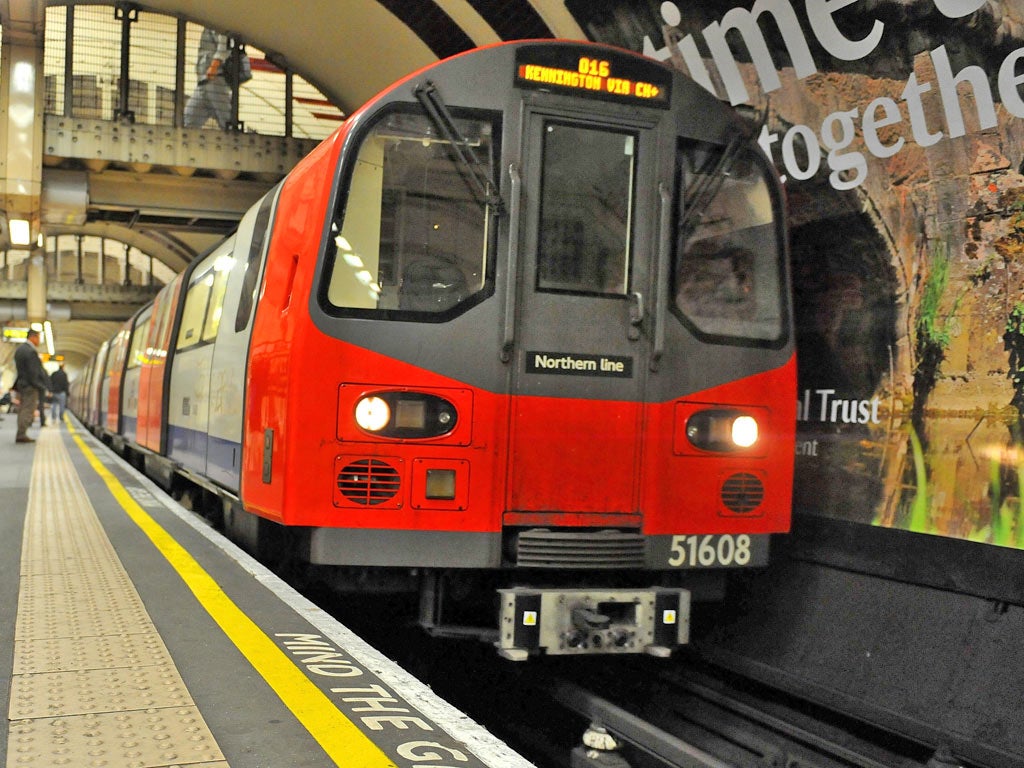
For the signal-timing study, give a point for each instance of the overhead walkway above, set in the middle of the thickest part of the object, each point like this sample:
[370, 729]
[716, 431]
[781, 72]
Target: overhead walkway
[110, 184]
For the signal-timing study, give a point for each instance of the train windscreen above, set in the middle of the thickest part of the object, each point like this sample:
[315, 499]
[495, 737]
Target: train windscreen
[727, 275]
[414, 237]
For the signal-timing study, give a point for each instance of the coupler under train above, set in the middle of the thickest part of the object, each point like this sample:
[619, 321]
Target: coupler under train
[592, 621]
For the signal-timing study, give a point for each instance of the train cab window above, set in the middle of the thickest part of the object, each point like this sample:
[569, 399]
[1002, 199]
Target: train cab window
[727, 267]
[413, 240]
[586, 209]
[137, 351]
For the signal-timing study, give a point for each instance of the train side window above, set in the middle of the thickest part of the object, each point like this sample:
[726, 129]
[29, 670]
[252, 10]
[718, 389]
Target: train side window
[216, 305]
[727, 268]
[194, 313]
[586, 210]
[413, 240]
[137, 351]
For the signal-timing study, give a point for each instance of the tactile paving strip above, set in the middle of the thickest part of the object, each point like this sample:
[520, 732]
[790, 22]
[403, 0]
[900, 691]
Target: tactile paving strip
[64, 654]
[93, 683]
[97, 690]
[125, 739]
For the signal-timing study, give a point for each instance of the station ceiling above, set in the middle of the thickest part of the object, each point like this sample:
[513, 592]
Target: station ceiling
[351, 49]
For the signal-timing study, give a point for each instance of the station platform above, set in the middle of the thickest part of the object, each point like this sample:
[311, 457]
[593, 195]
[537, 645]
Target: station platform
[131, 634]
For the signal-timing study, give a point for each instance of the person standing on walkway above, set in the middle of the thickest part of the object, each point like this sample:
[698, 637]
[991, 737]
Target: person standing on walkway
[212, 96]
[31, 384]
[59, 388]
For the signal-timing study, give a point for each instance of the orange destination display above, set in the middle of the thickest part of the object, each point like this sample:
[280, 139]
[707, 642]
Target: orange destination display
[609, 77]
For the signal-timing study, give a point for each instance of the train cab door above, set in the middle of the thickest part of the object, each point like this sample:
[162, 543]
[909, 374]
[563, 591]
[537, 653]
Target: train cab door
[580, 361]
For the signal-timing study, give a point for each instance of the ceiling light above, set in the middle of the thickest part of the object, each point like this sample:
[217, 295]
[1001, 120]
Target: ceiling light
[21, 232]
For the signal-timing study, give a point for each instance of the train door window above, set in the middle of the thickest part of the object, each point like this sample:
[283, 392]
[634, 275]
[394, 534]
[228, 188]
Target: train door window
[413, 240]
[586, 210]
[163, 324]
[137, 351]
[116, 357]
[221, 269]
[194, 313]
[727, 270]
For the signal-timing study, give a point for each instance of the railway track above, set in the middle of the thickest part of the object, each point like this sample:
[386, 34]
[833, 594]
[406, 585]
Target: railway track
[635, 712]
[684, 718]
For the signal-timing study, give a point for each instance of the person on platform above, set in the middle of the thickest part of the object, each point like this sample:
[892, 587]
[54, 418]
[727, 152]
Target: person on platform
[59, 389]
[32, 383]
[212, 95]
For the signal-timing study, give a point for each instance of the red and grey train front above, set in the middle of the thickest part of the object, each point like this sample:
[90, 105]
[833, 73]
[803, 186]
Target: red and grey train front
[554, 291]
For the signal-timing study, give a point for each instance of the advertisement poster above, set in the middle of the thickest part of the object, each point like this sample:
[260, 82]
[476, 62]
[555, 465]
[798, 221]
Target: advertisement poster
[899, 130]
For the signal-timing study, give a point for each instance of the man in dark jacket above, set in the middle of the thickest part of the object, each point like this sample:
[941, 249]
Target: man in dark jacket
[59, 388]
[31, 384]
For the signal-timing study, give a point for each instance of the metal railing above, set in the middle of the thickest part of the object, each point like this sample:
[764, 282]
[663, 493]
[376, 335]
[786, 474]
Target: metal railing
[91, 73]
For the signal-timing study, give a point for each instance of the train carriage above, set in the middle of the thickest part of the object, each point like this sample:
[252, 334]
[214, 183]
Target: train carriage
[132, 377]
[152, 373]
[94, 393]
[520, 330]
[112, 378]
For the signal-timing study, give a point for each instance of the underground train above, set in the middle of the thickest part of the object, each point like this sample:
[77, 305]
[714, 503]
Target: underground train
[516, 338]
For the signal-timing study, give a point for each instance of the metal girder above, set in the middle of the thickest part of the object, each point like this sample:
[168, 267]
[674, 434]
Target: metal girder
[161, 195]
[99, 143]
[107, 294]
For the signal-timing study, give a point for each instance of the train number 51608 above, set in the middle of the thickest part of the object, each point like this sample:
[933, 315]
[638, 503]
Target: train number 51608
[710, 550]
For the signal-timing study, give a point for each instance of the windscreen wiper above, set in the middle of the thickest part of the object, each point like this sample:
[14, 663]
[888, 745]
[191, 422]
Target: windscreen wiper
[695, 201]
[481, 182]
[712, 176]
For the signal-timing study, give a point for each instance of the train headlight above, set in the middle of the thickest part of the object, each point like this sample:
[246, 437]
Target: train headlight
[722, 430]
[744, 431]
[405, 415]
[373, 413]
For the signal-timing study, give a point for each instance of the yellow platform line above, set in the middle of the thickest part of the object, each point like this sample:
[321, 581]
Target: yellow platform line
[344, 743]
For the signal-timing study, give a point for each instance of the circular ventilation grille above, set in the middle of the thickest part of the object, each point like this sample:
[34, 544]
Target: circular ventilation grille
[368, 481]
[742, 492]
